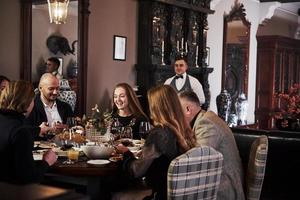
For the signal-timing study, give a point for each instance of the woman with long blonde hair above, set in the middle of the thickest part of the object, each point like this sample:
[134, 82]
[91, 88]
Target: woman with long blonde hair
[170, 137]
[165, 111]
[16, 137]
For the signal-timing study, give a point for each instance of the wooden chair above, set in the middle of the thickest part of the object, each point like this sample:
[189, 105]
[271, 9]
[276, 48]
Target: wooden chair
[195, 175]
[256, 168]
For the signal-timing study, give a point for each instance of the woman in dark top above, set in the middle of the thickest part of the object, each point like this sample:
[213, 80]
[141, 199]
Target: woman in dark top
[16, 138]
[170, 137]
[127, 111]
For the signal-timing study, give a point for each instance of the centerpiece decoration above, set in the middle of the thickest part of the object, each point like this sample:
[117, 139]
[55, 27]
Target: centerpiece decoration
[287, 115]
[98, 124]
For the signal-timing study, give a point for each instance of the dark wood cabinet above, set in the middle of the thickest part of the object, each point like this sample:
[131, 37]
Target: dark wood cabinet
[168, 28]
[278, 67]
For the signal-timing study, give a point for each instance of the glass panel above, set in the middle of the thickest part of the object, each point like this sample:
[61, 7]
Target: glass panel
[277, 72]
[55, 40]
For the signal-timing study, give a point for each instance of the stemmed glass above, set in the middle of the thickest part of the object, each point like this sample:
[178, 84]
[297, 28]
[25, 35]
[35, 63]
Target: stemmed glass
[144, 128]
[115, 126]
[71, 122]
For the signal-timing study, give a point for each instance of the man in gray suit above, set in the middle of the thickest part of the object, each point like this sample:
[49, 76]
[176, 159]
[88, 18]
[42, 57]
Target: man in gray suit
[210, 130]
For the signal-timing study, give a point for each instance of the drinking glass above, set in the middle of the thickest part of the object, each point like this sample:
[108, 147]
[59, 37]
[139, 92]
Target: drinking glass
[115, 127]
[144, 129]
[71, 122]
[72, 157]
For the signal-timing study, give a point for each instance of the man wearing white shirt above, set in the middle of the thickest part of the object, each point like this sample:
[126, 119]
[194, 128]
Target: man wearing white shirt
[183, 82]
[52, 66]
[47, 108]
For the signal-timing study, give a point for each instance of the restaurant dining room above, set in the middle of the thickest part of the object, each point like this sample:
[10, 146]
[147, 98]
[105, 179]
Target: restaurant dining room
[139, 99]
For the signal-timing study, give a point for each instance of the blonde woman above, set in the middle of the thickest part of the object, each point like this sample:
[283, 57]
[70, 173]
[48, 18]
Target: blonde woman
[170, 137]
[16, 138]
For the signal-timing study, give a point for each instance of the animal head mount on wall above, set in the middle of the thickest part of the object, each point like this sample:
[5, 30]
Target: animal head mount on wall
[57, 43]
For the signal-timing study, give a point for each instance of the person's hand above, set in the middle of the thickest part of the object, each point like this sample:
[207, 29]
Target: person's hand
[45, 129]
[50, 157]
[59, 127]
[121, 148]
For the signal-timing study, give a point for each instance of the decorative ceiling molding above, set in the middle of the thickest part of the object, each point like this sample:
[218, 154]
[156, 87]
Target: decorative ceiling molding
[288, 11]
[267, 11]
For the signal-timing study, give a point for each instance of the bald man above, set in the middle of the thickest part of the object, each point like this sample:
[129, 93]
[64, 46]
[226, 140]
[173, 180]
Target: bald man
[47, 108]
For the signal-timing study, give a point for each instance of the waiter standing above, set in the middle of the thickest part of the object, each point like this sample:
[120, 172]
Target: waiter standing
[184, 82]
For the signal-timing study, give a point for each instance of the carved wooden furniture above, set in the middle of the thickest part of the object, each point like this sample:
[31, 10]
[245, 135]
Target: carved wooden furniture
[168, 28]
[278, 67]
[82, 172]
[37, 191]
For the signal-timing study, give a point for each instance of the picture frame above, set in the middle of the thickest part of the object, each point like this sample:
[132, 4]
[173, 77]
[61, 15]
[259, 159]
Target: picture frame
[60, 68]
[119, 47]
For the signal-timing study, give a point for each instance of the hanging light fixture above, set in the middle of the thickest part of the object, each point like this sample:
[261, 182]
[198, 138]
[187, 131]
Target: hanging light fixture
[58, 10]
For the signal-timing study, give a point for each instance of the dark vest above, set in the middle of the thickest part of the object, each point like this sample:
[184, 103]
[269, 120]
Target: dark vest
[186, 87]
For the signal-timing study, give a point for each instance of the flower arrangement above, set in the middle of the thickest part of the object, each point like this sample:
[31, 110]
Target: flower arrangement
[289, 104]
[98, 121]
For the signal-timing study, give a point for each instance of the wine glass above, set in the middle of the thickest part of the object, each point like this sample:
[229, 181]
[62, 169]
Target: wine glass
[115, 126]
[71, 122]
[144, 128]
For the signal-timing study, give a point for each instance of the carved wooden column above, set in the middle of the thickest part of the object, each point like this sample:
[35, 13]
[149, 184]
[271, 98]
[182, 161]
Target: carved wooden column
[179, 25]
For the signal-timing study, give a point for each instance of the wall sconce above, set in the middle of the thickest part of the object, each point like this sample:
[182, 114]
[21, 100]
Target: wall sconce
[58, 11]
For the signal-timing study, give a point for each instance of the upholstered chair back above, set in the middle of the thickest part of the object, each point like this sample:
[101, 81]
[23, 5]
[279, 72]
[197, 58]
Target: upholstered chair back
[195, 174]
[256, 168]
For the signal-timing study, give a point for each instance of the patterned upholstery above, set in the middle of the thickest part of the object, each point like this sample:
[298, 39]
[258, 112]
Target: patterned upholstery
[195, 174]
[256, 168]
[66, 94]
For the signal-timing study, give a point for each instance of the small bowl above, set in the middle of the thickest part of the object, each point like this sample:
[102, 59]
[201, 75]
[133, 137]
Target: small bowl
[96, 151]
[134, 149]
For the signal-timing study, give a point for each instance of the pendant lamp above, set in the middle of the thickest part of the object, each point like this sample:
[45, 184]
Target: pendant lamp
[58, 11]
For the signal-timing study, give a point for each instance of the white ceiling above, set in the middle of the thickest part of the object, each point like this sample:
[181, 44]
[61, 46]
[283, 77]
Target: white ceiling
[290, 7]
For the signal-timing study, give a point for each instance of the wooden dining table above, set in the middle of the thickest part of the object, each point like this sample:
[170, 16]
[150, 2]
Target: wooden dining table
[82, 171]
[36, 191]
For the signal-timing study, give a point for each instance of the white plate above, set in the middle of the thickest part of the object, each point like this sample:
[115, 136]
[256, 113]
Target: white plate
[134, 149]
[98, 162]
[115, 158]
[137, 142]
[38, 156]
[46, 146]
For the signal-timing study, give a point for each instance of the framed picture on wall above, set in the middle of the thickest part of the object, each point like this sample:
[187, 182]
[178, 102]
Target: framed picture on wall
[119, 48]
[60, 69]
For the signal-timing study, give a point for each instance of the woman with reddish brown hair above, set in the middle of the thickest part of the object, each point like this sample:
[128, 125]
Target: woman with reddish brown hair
[170, 137]
[127, 111]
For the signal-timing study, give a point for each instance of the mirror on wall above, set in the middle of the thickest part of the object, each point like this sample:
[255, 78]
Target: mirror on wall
[67, 42]
[236, 52]
[55, 40]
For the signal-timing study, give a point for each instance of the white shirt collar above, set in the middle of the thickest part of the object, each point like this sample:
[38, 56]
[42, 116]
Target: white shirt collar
[47, 106]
